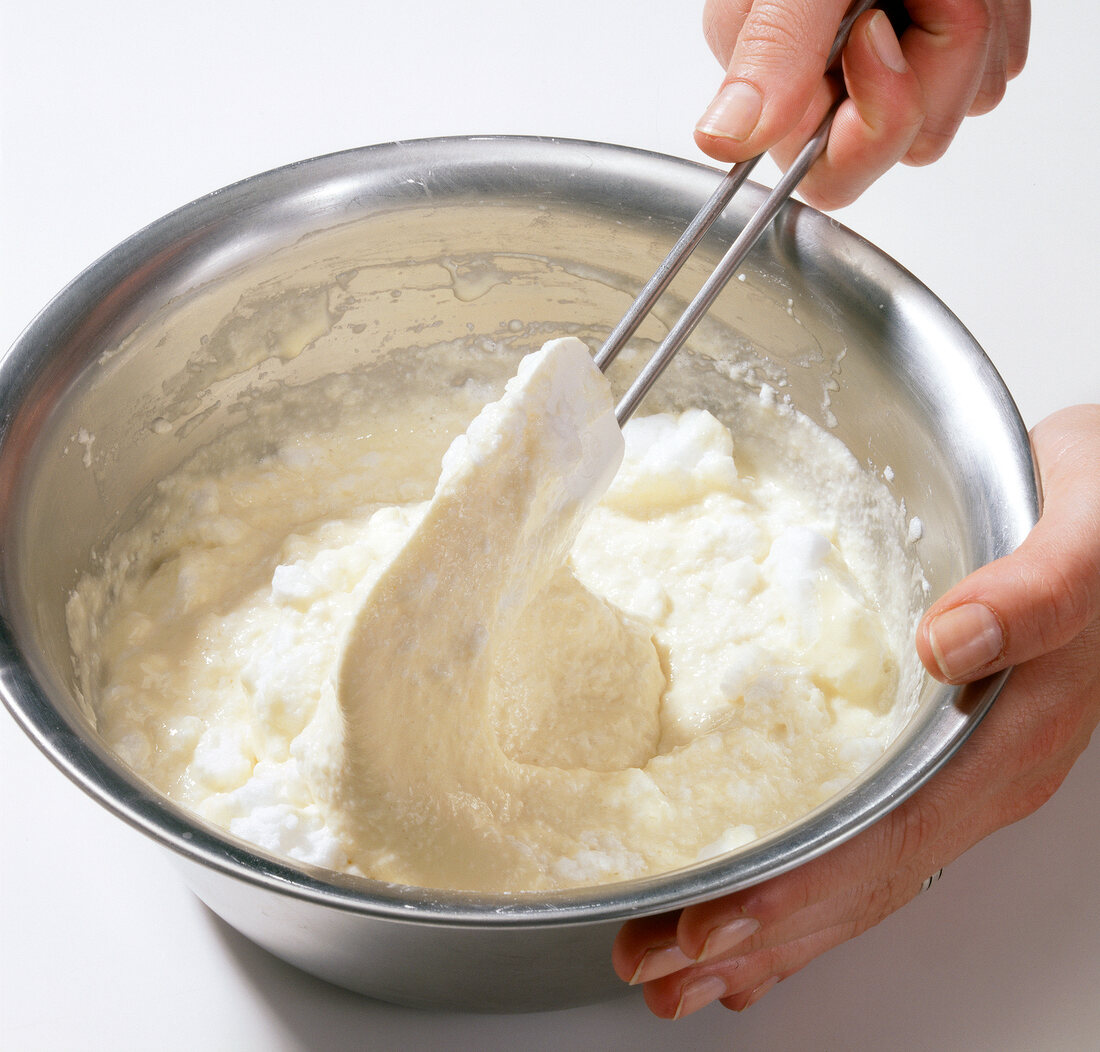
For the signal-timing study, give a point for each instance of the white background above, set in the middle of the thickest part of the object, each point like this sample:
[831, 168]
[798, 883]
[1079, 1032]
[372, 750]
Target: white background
[114, 113]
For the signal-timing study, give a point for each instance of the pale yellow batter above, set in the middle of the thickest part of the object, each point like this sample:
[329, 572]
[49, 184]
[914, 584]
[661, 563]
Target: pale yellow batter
[510, 686]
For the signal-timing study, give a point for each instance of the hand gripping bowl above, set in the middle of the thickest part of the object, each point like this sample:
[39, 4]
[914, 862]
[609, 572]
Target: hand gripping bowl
[401, 247]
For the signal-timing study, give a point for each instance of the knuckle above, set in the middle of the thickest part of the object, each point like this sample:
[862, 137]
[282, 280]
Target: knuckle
[744, 975]
[975, 17]
[878, 904]
[782, 896]
[1032, 789]
[928, 146]
[1036, 793]
[989, 96]
[1052, 735]
[1059, 730]
[1063, 592]
[826, 196]
[777, 33]
[918, 824]
[1017, 59]
[1074, 593]
[884, 898]
[722, 21]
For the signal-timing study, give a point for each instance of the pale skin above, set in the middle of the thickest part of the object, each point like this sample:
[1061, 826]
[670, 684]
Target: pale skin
[907, 97]
[1037, 609]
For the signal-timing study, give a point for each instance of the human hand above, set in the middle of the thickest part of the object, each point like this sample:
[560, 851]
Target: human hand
[1037, 609]
[906, 99]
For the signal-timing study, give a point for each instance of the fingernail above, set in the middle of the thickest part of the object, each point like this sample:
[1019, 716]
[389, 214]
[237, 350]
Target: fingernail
[725, 937]
[965, 639]
[759, 992]
[698, 994]
[661, 961]
[733, 114]
[885, 44]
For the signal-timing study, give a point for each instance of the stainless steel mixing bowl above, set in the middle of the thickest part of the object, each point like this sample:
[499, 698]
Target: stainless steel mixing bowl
[336, 263]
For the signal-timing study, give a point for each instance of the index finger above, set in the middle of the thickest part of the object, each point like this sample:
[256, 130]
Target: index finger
[773, 73]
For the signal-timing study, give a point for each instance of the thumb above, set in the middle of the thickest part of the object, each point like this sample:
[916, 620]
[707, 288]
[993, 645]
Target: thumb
[1044, 594]
[773, 73]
